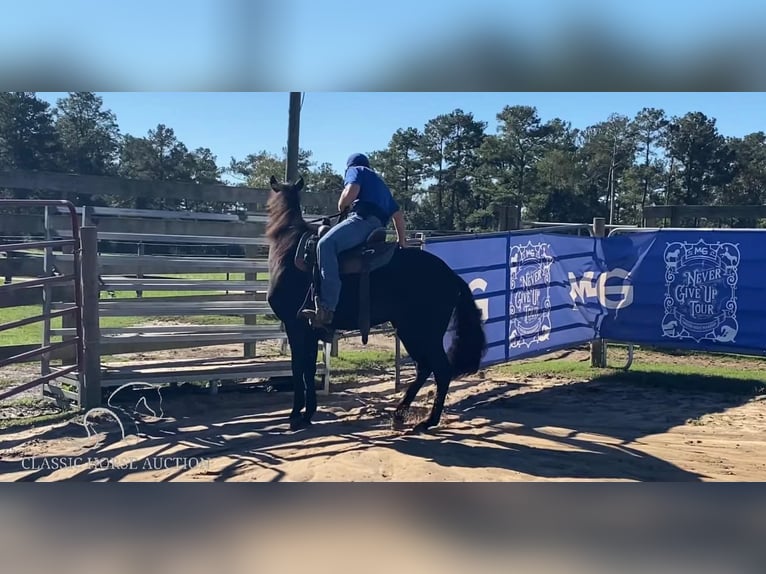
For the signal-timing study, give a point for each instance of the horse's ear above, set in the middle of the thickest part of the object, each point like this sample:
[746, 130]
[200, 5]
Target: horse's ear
[298, 185]
[274, 184]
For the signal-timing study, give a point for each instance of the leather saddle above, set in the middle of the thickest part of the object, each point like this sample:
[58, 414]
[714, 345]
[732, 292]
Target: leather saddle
[373, 254]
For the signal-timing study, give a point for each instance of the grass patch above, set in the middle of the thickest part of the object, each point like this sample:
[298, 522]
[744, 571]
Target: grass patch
[32, 334]
[28, 402]
[694, 377]
[620, 350]
[348, 362]
[31, 411]
[260, 276]
[19, 423]
[6, 383]
[582, 369]
[689, 376]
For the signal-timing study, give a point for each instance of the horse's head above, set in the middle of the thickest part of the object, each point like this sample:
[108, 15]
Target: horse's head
[285, 223]
[284, 206]
[286, 194]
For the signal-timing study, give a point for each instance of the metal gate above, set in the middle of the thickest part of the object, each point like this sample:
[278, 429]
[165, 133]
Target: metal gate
[12, 292]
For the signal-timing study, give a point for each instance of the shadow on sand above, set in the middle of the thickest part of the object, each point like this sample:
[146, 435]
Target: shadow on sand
[250, 429]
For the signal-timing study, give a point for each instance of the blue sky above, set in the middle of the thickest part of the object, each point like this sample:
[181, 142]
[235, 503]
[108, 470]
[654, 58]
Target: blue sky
[334, 125]
[305, 44]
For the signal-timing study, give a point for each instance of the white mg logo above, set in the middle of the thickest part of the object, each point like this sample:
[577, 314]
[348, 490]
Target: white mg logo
[592, 287]
[480, 285]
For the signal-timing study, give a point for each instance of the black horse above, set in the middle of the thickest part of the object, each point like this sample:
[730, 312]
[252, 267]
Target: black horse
[416, 292]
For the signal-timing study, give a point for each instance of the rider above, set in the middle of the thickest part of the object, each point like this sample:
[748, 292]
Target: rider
[371, 205]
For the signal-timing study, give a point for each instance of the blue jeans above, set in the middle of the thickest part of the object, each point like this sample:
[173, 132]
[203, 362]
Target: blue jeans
[349, 233]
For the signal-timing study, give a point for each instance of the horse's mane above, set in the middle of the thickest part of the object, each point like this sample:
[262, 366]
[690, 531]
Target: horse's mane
[284, 227]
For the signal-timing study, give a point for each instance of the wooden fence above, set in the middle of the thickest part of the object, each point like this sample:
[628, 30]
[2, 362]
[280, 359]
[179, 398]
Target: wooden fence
[134, 285]
[146, 267]
[702, 215]
[42, 286]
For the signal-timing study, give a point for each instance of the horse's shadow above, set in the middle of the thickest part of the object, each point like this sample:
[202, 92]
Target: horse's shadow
[584, 460]
[626, 406]
[623, 408]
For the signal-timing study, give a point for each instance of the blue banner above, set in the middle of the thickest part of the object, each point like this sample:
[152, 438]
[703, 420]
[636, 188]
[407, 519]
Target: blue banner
[483, 263]
[521, 284]
[700, 290]
[541, 315]
[683, 289]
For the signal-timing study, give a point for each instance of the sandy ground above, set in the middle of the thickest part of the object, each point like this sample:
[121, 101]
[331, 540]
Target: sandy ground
[493, 429]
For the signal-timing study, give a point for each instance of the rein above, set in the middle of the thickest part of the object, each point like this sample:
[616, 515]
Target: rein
[333, 216]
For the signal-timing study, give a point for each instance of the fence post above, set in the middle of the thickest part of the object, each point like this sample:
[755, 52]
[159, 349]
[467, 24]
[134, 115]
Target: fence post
[90, 393]
[141, 251]
[508, 217]
[598, 346]
[513, 218]
[334, 347]
[251, 252]
[45, 362]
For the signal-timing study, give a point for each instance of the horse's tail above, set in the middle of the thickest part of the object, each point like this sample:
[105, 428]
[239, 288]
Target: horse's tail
[470, 342]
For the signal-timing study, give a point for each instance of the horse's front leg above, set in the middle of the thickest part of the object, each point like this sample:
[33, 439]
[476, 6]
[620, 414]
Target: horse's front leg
[309, 374]
[296, 338]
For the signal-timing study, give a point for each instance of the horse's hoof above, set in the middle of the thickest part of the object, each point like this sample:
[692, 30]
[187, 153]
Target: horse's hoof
[299, 423]
[397, 422]
[423, 427]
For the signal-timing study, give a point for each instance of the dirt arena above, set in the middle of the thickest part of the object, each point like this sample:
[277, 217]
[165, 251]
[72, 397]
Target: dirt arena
[495, 428]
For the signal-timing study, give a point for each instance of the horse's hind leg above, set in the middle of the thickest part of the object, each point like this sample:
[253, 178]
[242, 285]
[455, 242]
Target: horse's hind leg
[423, 372]
[442, 374]
[412, 341]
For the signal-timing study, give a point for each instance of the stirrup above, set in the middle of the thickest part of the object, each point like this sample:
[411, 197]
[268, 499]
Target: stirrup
[318, 318]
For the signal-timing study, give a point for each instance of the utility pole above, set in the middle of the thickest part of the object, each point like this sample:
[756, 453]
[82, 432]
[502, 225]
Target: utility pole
[293, 130]
[291, 172]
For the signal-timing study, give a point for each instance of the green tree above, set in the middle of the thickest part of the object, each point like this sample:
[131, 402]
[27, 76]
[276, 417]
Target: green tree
[450, 154]
[161, 157]
[607, 151]
[557, 195]
[89, 134]
[748, 185]
[520, 144]
[436, 134]
[201, 166]
[28, 138]
[168, 155]
[462, 154]
[401, 166]
[256, 169]
[650, 125]
[324, 180]
[704, 160]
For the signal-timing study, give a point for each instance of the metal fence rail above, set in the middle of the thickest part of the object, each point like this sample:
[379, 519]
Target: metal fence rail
[48, 279]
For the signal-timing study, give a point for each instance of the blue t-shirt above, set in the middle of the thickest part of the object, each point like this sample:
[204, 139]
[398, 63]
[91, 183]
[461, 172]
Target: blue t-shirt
[374, 194]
